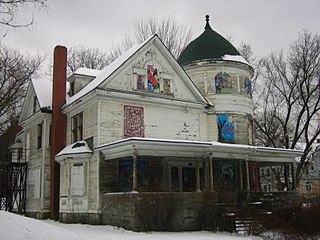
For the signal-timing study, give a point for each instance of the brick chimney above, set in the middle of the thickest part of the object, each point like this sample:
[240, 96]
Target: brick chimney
[58, 128]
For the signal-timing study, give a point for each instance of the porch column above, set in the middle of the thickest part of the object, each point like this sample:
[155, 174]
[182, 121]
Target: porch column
[210, 172]
[286, 175]
[293, 177]
[248, 175]
[198, 175]
[134, 172]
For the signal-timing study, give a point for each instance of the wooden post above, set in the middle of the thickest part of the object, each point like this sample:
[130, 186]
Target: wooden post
[241, 176]
[293, 177]
[248, 175]
[211, 172]
[134, 172]
[198, 175]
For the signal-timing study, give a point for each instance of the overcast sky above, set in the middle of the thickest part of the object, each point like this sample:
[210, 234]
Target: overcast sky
[266, 25]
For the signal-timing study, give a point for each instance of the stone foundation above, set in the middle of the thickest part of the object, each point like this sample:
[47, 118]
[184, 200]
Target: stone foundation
[85, 218]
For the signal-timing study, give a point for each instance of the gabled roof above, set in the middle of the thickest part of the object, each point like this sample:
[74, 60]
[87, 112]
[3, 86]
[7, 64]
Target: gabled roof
[77, 149]
[43, 91]
[107, 72]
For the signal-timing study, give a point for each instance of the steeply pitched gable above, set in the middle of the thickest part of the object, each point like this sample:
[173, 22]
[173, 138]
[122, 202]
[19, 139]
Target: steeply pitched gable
[38, 98]
[148, 68]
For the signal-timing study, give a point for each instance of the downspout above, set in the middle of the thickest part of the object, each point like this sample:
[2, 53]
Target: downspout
[44, 147]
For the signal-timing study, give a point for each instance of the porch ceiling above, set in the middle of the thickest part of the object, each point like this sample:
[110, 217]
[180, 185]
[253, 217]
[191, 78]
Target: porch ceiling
[194, 149]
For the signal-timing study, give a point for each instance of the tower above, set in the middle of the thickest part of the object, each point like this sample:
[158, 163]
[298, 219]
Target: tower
[224, 78]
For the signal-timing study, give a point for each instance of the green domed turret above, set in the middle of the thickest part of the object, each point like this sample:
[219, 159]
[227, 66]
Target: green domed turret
[209, 45]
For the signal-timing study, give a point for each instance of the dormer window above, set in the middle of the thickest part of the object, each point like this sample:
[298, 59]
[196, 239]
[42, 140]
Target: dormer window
[71, 92]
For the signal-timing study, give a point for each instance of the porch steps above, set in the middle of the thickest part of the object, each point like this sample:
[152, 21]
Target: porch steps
[243, 225]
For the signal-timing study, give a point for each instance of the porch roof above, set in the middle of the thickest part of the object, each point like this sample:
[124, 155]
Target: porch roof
[78, 149]
[194, 149]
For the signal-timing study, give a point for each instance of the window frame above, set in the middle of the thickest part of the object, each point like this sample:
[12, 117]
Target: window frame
[39, 135]
[77, 127]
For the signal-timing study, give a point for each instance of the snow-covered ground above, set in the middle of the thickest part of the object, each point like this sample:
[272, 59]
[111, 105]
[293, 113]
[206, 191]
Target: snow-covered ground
[16, 227]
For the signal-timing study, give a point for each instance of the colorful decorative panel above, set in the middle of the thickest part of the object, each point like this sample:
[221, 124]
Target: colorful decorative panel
[227, 177]
[225, 129]
[133, 121]
[223, 83]
[125, 175]
[153, 79]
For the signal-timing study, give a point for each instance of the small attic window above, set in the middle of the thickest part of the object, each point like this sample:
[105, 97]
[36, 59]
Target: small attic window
[71, 92]
[79, 144]
[34, 107]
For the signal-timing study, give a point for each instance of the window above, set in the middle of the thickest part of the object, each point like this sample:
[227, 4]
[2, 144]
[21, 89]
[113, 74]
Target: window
[77, 127]
[71, 88]
[34, 183]
[39, 136]
[267, 187]
[34, 104]
[223, 83]
[125, 175]
[308, 186]
[226, 129]
[188, 179]
[166, 86]
[140, 82]
[77, 179]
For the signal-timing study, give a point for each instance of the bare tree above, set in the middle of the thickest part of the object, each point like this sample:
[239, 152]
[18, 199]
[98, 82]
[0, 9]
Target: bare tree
[287, 111]
[174, 36]
[92, 58]
[15, 71]
[9, 10]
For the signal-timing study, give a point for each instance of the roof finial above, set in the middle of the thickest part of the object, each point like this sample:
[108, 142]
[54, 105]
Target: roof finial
[207, 23]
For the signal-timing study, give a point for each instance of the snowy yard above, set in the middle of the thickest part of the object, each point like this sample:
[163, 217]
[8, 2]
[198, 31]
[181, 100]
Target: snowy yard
[16, 227]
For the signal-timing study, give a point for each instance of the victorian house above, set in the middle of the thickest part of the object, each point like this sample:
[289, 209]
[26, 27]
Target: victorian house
[148, 126]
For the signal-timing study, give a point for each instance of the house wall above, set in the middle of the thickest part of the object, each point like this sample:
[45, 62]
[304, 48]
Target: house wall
[88, 202]
[38, 166]
[160, 121]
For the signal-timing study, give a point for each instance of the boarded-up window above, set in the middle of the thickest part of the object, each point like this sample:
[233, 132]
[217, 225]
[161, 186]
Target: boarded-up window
[133, 121]
[34, 183]
[166, 86]
[77, 179]
[64, 177]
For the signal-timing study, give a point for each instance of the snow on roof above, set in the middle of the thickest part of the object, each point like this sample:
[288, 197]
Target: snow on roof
[43, 90]
[235, 58]
[107, 71]
[80, 147]
[87, 72]
[213, 144]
